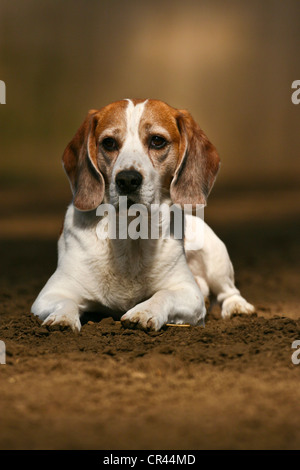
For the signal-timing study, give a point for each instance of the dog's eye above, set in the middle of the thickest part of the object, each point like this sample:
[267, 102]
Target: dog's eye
[109, 144]
[157, 142]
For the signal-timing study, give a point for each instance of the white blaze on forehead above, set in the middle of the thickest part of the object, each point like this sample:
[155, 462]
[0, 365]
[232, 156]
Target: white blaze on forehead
[133, 117]
[132, 154]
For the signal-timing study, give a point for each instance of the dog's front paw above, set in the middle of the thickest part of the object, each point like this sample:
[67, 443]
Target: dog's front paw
[236, 304]
[141, 318]
[63, 319]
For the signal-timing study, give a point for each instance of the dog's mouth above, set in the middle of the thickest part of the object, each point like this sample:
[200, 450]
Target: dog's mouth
[124, 203]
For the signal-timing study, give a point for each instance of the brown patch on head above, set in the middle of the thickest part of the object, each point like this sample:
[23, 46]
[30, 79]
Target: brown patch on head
[111, 124]
[188, 164]
[87, 167]
[111, 120]
[159, 119]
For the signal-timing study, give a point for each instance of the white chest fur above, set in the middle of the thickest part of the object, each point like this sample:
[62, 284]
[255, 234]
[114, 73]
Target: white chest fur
[115, 273]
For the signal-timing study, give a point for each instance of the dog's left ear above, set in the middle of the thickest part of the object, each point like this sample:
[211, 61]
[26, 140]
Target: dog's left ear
[80, 164]
[198, 164]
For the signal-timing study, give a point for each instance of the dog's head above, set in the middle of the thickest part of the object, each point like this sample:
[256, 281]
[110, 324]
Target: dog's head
[145, 150]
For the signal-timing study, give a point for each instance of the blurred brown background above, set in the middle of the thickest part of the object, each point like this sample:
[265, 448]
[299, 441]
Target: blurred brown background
[230, 63]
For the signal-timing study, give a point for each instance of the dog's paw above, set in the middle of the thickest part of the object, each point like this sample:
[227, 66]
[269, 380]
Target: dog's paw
[141, 319]
[236, 304]
[63, 319]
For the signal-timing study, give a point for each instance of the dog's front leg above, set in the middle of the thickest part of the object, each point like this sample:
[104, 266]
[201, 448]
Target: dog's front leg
[182, 305]
[58, 303]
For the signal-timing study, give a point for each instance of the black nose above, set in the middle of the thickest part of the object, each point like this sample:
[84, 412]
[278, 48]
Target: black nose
[128, 181]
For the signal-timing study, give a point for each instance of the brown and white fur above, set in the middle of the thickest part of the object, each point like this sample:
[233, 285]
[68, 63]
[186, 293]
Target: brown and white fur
[146, 282]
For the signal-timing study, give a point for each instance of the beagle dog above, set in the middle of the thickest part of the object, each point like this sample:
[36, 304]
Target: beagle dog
[152, 154]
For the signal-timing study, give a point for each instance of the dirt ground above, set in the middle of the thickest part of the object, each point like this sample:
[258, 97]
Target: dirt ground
[230, 385]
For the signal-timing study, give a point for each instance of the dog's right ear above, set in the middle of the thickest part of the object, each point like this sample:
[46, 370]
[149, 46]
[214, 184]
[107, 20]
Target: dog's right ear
[80, 164]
